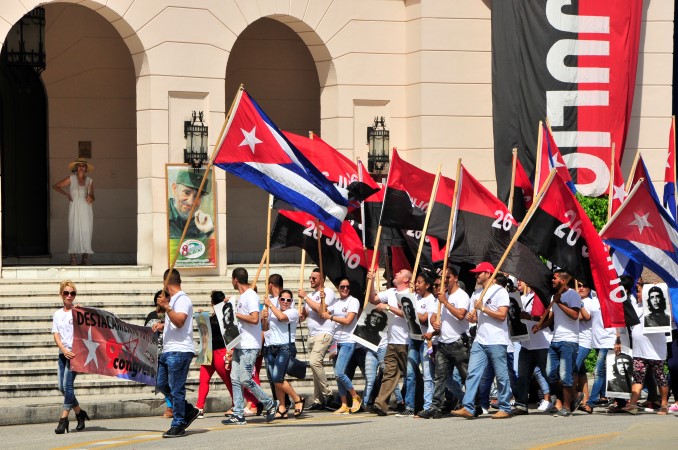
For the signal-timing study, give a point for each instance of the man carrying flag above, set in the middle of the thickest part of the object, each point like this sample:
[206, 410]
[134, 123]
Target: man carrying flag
[254, 149]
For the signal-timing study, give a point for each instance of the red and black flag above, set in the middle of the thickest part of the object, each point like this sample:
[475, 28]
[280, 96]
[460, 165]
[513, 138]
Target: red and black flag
[560, 231]
[573, 62]
[343, 253]
[523, 192]
[483, 230]
[407, 197]
[340, 170]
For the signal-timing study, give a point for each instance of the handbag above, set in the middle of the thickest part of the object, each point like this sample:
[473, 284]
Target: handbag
[295, 367]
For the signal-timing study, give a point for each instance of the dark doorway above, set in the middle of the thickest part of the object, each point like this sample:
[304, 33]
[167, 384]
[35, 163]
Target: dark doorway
[23, 150]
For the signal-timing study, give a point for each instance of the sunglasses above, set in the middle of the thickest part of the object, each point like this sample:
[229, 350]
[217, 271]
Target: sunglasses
[344, 287]
[69, 293]
[285, 299]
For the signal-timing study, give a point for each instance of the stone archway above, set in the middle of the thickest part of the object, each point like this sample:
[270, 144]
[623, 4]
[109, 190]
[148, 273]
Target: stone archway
[279, 72]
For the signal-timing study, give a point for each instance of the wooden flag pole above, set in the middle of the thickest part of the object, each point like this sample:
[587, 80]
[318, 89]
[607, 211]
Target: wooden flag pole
[450, 225]
[610, 195]
[374, 259]
[264, 256]
[422, 239]
[268, 244]
[520, 229]
[323, 306]
[301, 278]
[537, 167]
[633, 172]
[513, 180]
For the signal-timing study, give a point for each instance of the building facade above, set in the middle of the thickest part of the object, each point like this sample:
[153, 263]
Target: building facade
[122, 76]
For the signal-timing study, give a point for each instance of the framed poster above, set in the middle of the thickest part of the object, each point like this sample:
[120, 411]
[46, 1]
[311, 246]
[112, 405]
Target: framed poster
[408, 304]
[371, 327]
[199, 246]
[656, 309]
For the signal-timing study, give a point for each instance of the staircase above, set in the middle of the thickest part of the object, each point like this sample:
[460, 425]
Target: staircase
[28, 355]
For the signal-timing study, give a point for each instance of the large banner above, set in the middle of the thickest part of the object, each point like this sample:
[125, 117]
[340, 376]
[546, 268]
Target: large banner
[105, 345]
[574, 62]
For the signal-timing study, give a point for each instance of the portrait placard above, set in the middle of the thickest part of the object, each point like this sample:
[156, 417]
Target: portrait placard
[619, 370]
[198, 249]
[371, 327]
[656, 309]
[518, 331]
[228, 322]
[408, 304]
[204, 353]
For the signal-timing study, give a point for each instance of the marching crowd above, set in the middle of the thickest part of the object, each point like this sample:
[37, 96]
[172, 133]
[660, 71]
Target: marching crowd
[464, 348]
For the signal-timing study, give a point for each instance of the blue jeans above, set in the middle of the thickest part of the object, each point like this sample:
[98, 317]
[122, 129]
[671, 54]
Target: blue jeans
[66, 379]
[561, 362]
[344, 353]
[242, 367]
[172, 372]
[481, 356]
[580, 365]
[488, 377]
[417, 354]
[277, 359]
[373, 363]
[541, 381]
[600, 374]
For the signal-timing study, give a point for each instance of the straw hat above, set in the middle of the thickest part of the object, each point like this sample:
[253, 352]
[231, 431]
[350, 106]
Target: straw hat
[72, 165]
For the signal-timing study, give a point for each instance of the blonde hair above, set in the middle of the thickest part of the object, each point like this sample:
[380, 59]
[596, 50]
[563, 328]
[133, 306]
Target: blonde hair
[66, 283]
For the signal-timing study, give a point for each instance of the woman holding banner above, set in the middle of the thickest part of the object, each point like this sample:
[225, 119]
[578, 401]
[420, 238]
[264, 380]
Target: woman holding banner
[62, 329]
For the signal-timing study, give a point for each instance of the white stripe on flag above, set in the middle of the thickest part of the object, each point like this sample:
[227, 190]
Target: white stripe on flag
[302, 186]
[673, 234]
[658, 256]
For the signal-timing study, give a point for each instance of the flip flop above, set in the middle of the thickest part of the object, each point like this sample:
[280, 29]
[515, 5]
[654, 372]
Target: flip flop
[299, 411]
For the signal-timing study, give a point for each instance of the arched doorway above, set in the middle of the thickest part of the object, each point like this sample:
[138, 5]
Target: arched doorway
[278, 71]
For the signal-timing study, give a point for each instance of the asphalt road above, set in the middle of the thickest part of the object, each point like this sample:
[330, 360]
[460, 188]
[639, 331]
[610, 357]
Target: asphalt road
[325, 430]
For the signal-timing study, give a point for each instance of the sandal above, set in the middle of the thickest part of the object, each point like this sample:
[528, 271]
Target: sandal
[663, 411]
[299, 411]
[281, 415]
[586, 408]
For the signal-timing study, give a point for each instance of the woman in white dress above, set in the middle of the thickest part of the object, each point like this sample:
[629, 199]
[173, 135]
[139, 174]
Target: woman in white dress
[80, 216]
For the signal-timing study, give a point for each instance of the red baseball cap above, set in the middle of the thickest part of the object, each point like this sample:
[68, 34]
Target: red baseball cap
[483, 267]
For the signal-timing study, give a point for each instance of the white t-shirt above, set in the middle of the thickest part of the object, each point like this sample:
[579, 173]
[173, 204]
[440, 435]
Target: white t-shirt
[647, 346]
[176, 339]
[267, 334]
[279, 332]
[541, 339]
[62, 323]
[250, 334]
[564, 328]
[341, 308]
[397, 330]
[585, 332]
[316, 324]
[601, 337]
[452, 328]
[490, 330]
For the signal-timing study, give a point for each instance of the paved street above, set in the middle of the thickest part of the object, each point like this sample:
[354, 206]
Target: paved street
[324, 430]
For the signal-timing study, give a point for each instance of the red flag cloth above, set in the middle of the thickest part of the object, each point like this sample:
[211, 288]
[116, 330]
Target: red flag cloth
[105, 345]
[618, 187]
[407, 196]
[523, 184]
[560, 231]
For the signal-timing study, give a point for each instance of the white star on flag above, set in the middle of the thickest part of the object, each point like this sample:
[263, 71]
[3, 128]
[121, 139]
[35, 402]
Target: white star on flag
[641, 222]
[619, 193]
[92, 348]
[250, 138]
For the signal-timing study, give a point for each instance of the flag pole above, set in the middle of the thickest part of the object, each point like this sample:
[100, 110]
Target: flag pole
[253, 284]
[375, 252]
[323, 306]
[513, 179]
[537, 168]
[633, 172]
[227, 123]
[610, 195]
[520, 229]
[268, 243]
[301, 278]
[675, 163]
[422, 239]
[450, 225]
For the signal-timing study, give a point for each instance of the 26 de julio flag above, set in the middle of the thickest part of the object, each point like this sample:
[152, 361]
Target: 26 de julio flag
[483, 230]
[255, 149]
[560, 231]
[523, 192]
[574, 62]
[670, 174]
[646, 233]
[340, 170]
[407, 197]
[343, 253]
[105, 345]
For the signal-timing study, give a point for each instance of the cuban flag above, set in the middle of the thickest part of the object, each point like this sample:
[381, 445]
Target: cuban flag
[670, 174]
[645, 232]
[549, 158]
[255, 149]
[638, 172]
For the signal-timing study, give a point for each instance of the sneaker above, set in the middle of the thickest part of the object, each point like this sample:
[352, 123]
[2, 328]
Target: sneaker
[494, 404]
[342, 410]
[519, 411]
[201, 414]
[674, 408]
[544, 406]
[355, 407]
[407, 413]
[174, 432]
[376, 409]
[400, 407]
[430, 413]
[190, 416]
[270, 412]
[234, 420]
[484, 411]
[562, 412]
